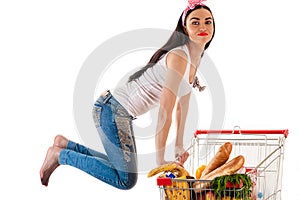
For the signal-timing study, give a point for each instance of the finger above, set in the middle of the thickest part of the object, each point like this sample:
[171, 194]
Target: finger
[184, 157]
[181, 160]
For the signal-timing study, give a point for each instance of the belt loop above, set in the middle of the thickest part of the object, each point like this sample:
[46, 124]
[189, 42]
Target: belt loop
[132, 117]
[106, 96]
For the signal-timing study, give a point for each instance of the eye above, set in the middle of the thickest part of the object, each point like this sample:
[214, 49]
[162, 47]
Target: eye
[208, 22]
[195, 23]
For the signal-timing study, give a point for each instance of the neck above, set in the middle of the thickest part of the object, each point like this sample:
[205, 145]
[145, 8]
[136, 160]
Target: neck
[196, 50]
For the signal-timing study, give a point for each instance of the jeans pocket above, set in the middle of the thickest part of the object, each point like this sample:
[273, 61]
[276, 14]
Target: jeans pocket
[97, 116]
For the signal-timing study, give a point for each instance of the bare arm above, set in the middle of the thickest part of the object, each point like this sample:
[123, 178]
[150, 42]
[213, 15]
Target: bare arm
[181, 114]
[176, 62]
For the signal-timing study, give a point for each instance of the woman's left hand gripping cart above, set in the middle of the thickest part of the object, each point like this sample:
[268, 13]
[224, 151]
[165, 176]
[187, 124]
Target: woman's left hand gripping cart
[178, 189]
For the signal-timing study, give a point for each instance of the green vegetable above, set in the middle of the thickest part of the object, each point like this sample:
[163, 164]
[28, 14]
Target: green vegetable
[218, 184]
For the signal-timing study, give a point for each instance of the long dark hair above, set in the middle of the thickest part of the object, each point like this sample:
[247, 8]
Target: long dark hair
[178, 38]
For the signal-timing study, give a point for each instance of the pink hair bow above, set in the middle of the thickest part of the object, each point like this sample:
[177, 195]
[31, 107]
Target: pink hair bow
[192, 5]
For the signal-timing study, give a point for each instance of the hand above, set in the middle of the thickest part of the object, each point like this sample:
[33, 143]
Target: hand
[181, 157]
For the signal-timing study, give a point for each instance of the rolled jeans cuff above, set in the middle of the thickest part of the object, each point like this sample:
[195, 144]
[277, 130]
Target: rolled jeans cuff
[71, 145]
[62, 156]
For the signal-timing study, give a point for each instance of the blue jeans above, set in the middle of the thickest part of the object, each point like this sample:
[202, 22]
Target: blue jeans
[118, 167]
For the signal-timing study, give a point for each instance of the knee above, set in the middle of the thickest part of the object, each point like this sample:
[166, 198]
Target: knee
[130, 182]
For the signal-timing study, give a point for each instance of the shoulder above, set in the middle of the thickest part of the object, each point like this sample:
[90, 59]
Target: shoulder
[177, 59]
[178, 53]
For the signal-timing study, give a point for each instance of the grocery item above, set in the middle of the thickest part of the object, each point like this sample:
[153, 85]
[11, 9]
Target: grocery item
[219, 159]
[228, 168]
[172, 167]
[178, 189]
[199, 171]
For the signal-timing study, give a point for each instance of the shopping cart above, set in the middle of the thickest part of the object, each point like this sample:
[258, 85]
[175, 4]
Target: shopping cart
[263, 151]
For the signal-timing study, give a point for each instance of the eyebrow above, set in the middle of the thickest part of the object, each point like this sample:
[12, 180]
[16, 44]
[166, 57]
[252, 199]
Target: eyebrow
[196, 18]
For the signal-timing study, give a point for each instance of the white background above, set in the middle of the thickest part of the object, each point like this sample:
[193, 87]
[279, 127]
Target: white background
[43, 45]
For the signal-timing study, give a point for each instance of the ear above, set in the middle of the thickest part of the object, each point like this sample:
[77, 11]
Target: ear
[184, 29]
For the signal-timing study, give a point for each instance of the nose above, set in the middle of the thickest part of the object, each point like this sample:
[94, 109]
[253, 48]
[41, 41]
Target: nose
[202, 27]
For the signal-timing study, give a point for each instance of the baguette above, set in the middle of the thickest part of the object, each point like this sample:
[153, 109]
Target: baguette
[228, 168]
[219, 159]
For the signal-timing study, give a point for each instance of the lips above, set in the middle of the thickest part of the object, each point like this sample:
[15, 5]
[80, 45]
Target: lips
[203, 34]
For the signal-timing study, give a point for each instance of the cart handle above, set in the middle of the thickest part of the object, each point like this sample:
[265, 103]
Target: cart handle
[284, 132]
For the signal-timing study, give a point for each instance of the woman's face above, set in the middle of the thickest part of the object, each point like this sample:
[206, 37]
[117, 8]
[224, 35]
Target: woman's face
[199, 26]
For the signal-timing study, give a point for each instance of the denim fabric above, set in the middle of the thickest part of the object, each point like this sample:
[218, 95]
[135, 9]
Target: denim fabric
[118, 167]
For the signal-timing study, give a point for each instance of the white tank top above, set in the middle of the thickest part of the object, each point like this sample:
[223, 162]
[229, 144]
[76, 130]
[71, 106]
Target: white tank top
[143, 94]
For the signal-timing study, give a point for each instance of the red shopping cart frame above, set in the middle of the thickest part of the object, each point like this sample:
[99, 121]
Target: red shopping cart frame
[283, 132]
[164, 181]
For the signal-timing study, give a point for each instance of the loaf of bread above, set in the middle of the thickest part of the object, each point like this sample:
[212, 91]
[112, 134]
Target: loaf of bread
[219, 159]
[228, 168]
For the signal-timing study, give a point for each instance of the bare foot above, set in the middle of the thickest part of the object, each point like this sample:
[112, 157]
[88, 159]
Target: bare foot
[60, 141]
[50, 164]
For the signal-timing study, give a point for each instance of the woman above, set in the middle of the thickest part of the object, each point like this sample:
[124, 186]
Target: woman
[165, 81]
